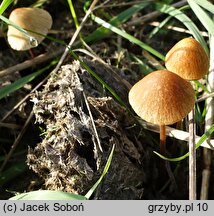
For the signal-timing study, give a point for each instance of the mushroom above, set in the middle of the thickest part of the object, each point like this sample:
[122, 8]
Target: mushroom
[162, 98]
[188, 59]
[32, 19]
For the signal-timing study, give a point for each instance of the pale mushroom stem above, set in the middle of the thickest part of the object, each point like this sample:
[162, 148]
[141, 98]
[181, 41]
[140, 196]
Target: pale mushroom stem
[162, 139]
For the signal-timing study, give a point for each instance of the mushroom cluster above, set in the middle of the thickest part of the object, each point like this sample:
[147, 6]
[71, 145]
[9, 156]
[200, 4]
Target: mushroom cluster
[165, 97]
[34, 20]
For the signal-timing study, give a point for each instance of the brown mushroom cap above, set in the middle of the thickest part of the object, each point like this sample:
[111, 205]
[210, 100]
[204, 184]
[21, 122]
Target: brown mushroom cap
[188, 59]
[34, 19]
[162, 97]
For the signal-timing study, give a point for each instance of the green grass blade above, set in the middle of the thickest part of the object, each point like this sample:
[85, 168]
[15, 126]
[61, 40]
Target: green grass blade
[47, 195]
[144, 68]
[206, 5]
[17, 154]
[161, 25]
[202, 139]
[183, 18]
[4, 5]
[4, 91]
[73, 13]
[202, 86]
[127, 36]
[12, 172]
[102, 32]
[202, 16]
[91, 191]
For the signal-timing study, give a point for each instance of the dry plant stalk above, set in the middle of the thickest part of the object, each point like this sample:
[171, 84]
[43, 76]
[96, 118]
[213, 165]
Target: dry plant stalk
[209, 120]
[32, 62]
[192, 157]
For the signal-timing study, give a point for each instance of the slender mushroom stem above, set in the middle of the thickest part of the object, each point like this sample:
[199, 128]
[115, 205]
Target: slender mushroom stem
[32, 54]
[162, 139]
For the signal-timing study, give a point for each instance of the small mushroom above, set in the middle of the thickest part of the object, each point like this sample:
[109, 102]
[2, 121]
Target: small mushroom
[162, 98]
[32, 19]
[188, 59]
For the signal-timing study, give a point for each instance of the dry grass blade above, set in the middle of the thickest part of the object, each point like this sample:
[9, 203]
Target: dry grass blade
[29, 63]
[177, 29]
[93, 125]
[153, 15]
[192, 157]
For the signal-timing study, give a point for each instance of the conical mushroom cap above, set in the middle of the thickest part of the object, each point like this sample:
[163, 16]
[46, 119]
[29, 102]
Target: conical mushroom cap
[162, 97]
[188, 59]
[34, 19]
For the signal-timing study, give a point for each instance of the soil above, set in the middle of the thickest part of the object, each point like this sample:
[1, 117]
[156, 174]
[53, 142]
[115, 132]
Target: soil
[76, 121]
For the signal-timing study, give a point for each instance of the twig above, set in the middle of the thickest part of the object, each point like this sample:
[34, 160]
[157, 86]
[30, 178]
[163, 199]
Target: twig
[16, 142]
[29, 63]
[209, 120]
